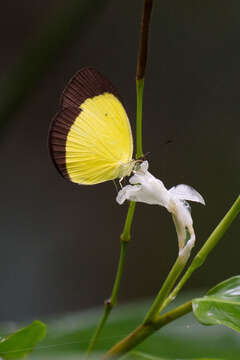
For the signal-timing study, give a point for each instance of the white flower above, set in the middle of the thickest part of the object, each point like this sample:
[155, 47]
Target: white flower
[146, 188]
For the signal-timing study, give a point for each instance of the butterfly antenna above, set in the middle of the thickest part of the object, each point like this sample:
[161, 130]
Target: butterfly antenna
[115, 185]
[146, 155]
[143, 157]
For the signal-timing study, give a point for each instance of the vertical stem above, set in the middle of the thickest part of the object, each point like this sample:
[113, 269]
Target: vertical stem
[113, 299]
[139, 88]
[141, 68]
[98, 330]
[110, 303]
[126, 234]
[166, 288]
[143, 41]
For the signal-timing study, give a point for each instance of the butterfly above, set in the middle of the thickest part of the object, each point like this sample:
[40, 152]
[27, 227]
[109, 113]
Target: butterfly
[90, 138]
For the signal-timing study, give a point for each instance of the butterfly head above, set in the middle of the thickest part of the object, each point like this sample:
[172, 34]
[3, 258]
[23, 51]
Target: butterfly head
[125, 169]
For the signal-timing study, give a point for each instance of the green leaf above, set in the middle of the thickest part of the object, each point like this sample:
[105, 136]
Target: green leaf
[221, 305]
[20, 343]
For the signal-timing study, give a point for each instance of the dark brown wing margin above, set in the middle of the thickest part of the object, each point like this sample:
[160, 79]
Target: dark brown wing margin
[86, 83]
[57, 136]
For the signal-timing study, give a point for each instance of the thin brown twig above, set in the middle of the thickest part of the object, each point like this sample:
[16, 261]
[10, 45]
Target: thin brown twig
[143, 41]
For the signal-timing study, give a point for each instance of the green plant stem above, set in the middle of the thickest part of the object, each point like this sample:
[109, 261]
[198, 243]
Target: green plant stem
[166, 288]
[126, 234]
[107, 310]
[145, 330]
[139, 88]
[110, 303]
[209, 245]
[113, 299]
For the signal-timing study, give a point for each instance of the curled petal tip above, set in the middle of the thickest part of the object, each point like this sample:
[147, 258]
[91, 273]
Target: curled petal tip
[128, 193]
[186, 192]
[144, 166]
[121, 196]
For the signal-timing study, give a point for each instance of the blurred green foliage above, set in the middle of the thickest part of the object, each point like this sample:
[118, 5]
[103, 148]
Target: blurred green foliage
[68, 336]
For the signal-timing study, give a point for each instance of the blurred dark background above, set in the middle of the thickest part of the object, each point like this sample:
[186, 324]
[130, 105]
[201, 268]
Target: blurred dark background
[59, 241]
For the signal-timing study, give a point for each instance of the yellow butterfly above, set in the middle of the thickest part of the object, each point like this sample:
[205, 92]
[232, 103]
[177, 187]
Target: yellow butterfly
[90, 138]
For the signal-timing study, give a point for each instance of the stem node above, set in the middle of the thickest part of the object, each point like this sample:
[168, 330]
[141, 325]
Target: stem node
[108, 304]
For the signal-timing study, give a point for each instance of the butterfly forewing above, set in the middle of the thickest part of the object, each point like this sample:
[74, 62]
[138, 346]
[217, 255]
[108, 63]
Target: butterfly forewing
[90, 137]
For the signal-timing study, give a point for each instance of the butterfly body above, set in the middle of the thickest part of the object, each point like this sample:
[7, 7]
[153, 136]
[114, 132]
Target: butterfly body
[90, 138]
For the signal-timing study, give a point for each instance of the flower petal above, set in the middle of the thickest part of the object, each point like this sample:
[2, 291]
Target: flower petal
[186, 192]
[129, 192]
[145, 188]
